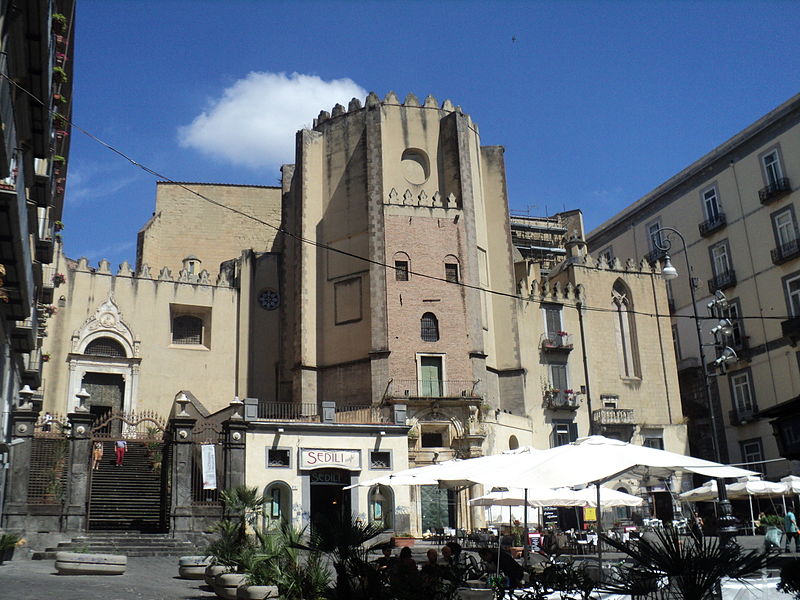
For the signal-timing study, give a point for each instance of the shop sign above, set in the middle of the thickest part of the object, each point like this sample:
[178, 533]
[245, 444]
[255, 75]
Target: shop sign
[314, 458]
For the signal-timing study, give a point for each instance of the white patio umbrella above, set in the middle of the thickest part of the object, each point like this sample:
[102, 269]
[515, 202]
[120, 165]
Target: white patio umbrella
[746, 487]
[608, 497]
[793, 483]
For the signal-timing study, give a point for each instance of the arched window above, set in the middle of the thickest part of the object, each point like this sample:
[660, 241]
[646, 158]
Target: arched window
[429, 328]
[187, 329]
[513, 443]
[105, 346]
[451, 269]
[381, 506]
[625, 326]
[402, 266]
[277, 504]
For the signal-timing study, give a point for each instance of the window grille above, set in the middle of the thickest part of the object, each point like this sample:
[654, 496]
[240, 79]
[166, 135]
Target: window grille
[429, 328]
[451, 272]
[105, 347]
[187, 330]
[401, 270]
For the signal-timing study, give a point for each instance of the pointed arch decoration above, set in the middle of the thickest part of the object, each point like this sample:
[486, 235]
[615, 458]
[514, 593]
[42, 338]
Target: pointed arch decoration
[625, 330]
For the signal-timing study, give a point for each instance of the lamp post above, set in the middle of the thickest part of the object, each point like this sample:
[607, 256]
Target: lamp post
[727, 522]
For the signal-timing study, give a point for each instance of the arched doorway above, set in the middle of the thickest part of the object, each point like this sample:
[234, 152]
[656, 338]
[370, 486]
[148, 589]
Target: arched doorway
[329, 500]
[277, 504]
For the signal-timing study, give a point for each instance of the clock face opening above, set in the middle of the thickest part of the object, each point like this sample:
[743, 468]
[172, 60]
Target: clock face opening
[269, 299]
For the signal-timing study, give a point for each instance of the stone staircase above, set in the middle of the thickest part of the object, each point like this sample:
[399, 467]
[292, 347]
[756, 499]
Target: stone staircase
[127, 543]
[126, 498]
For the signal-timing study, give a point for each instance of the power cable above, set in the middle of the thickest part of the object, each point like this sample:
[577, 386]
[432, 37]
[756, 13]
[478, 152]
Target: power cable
[315, 243]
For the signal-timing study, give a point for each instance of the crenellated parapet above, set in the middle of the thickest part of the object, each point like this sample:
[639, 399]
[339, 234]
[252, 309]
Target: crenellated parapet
[391, 99]
[146, 273]
[409, 198]
[629, 266]
[547, 291]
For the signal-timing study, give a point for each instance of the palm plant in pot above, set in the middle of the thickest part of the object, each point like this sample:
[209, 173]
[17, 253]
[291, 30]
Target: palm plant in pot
[690, 567]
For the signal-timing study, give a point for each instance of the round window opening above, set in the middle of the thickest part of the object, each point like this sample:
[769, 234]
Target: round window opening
[415, 166]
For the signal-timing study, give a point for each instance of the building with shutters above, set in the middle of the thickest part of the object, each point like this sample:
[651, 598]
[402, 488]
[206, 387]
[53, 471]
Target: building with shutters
[735, 208]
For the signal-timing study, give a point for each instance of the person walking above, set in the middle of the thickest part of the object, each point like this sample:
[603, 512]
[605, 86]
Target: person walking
[97, 455]
[121, 448]
[790, 528]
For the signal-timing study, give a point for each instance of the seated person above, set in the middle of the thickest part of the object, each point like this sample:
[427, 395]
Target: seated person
[387, 560]
[508, 566]
[405, 564]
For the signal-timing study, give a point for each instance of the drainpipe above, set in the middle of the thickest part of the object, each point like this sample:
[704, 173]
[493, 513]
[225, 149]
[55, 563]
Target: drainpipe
[579, 308]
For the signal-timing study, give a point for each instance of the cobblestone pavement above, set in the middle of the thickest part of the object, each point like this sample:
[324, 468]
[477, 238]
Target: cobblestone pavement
[151, 578]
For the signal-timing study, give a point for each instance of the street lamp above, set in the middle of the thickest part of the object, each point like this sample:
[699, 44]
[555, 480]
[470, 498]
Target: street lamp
[727, 522]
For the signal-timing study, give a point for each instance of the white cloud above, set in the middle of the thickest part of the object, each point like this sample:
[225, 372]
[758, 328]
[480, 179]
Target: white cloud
[254, 122]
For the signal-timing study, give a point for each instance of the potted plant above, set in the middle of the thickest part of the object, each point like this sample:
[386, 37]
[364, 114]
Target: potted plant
[59, 278]
[59, 22]
[404, 539]
[58, 225]
[45, 357]
[773, 525]
[8, 543]
[59, 75]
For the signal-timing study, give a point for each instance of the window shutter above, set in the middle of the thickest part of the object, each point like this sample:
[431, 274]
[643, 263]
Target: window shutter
[573, 432]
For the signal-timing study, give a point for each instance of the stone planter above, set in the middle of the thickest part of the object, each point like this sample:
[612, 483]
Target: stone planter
[226, 584]
[211, 573]
[256, 592]
[402, 542]
[74, 563]
[7, 554]
[192, 567]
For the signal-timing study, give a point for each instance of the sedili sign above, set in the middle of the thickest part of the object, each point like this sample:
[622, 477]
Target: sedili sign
[314, 458]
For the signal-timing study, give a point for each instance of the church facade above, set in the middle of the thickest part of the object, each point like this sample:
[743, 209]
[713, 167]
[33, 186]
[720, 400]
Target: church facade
[372, 313]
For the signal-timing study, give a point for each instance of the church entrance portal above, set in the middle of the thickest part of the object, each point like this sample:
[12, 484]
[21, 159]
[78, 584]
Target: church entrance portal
[106, 393]
[329, 500]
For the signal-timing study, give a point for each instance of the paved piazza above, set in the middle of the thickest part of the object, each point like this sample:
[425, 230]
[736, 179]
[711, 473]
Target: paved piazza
[149, 578]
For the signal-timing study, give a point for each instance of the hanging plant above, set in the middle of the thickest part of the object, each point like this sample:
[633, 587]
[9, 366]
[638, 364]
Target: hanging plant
[59, 99]
[60, 121]
[59, 278]
[59, 159]
[59, 75]
[58, 226]
[59, 22]
[45, 357]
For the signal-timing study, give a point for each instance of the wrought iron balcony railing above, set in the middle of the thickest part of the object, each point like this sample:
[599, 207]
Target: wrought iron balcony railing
[785, 252]
[561, 400]
[711, 225]
[655, 255]
[310, 413]
[560, 341]
[434, 388]
[614, 416]
[722, 281]
[742, 416]
[774, 190]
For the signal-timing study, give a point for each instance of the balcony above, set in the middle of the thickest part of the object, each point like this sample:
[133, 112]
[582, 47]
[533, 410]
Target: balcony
[743, 416]
[23, 335]
[561, 341]
[711, 225]
[722, 281]
[655, 255]
[785, 252]
[296, 412]
[47, 291]
[774, 191]
[791, 329]
[32, 369]
[561, 400]
[433, 388]
[614, 416]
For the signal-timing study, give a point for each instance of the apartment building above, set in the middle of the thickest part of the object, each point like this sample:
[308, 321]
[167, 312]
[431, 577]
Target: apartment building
[35, 70]
[736, 209]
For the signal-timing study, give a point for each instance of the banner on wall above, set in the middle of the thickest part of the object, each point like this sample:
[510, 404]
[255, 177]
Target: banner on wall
[208, 454]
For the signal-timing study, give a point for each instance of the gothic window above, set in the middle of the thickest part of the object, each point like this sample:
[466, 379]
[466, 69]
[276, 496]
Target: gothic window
[429, 328]
[105, 346]
[625, 325]
[187, 329]
[402, 266]
[451, 273]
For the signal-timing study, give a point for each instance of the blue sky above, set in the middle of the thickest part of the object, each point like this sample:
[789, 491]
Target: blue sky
[596, 103]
